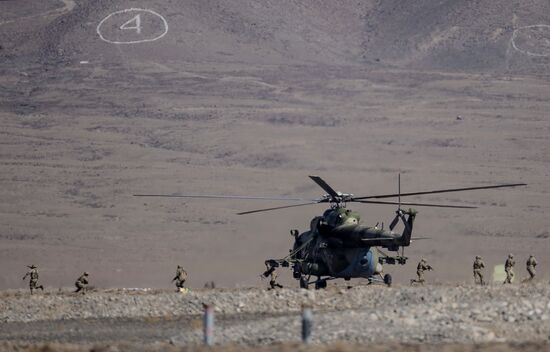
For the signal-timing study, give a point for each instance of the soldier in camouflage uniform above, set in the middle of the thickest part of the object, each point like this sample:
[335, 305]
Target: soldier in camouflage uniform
[478, 267]
[531, 264]
[181, 276]
[509, 269]
[272, 274]
[420, 268]
[82, 283]
[33, 274]
[273, 281]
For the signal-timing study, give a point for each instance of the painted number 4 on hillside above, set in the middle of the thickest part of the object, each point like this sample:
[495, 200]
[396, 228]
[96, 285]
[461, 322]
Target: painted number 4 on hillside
[134, 23]
[132, 26]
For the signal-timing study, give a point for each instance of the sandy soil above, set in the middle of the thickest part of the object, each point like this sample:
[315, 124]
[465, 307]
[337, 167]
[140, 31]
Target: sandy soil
[246, 97]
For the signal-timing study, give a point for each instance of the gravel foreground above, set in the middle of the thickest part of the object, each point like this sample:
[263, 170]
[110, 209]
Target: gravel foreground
[511, 317]
[285, 347]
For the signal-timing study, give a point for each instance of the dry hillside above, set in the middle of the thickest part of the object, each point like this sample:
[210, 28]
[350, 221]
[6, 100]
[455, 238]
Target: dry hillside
[250, 97]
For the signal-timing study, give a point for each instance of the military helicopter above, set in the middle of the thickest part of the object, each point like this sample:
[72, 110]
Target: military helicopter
[337, 245]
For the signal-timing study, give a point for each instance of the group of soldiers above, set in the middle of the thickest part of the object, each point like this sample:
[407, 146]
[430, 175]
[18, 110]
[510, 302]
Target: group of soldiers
[81, 283]
[478, 267]
[181, 277]
[509, 268]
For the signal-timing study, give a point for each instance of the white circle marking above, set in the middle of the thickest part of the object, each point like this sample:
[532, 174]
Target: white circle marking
[98, 29]
[527, 52]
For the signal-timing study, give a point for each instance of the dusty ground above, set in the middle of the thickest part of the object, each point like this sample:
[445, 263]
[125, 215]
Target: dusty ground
[442, 315]
[250, 97]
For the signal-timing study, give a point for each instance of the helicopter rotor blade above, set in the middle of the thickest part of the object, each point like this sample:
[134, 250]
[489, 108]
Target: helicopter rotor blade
[225, 197]
[275, 208]
[448, 190]
[319, 181]
[416, 204]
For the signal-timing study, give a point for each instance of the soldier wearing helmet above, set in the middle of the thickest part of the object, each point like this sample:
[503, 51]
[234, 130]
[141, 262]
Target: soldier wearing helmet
[180, 278]
[272, 274]
[509, 269]
[82, 283]
[273, 284]
[531, 264]
[33, 274]
[478, 267]
[420, 268]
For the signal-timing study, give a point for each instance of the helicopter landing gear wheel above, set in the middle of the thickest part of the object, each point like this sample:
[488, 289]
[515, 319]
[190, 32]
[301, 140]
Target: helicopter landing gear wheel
[303, 282]
[320, 284]
[388, 280]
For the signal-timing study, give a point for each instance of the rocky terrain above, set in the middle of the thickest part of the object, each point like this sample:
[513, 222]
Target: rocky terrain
[368, 315]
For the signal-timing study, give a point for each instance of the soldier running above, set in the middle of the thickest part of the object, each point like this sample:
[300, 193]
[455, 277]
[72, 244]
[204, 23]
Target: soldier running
[270, 271]
[421, 267]
[531, 264]
[82, 283]
[273, 280]
[181, 276]
[33, 274]
[478, 267]
[509, 269]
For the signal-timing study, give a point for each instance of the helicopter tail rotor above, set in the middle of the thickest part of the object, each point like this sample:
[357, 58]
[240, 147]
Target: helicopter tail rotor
[394, 222]
[408, 222]
[400, 214]
[409, 226]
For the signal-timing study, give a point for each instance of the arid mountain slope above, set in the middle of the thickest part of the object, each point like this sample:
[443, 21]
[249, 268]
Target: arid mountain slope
[428, 34]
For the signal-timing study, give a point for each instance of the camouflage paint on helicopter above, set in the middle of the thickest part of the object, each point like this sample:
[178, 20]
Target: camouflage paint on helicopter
[337, 245]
